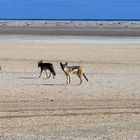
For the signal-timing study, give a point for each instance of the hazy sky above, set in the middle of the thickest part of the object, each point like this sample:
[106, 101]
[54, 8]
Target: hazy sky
[70, 9]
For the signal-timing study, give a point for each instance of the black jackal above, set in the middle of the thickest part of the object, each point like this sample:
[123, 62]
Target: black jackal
[46, 66]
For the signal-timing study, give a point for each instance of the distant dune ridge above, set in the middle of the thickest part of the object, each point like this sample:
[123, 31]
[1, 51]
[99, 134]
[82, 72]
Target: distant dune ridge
[52, 27]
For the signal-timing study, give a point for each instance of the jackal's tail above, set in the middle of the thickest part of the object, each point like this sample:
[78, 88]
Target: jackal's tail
[85, 76]
[52, 70]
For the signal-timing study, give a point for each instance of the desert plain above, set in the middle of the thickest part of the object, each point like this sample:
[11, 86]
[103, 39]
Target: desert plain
[107, 107]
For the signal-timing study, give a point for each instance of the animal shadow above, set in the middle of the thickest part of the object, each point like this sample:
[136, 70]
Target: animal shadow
[28, 77]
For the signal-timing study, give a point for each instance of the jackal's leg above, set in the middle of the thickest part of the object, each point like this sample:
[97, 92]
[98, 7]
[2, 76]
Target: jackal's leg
[80, 77]
[40, 73]
[68, 80]
[47, 74]
[80, 81]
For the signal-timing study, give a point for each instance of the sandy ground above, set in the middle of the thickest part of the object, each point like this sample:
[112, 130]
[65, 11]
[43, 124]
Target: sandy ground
[105, 108]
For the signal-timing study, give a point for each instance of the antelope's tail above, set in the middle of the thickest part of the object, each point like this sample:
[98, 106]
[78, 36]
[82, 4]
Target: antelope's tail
[85, 76]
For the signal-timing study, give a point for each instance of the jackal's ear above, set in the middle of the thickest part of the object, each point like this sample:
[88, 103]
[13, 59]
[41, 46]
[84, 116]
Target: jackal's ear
[66, 63]
[41, 61]
[61, 66]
